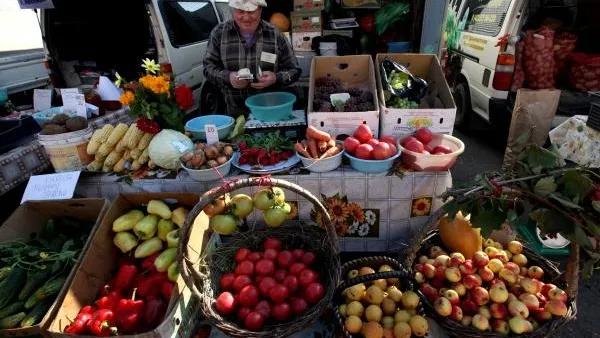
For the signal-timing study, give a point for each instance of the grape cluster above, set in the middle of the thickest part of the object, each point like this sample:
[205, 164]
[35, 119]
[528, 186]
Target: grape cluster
[360, 99]
[397, 102]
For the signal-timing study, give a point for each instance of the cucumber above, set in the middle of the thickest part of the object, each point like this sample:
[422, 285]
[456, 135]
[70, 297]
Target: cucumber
[12, 321]
[35, 315]
[12, 285]
[34, 280]
[4, 272]
[12, 309]
[50, 288]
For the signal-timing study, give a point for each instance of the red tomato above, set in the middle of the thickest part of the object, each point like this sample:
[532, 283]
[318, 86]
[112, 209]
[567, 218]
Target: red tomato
[270, 254]
[241, 281]
[264, 308]
[350, 144]
[308, 258]
[226, 281]
[225, 303]
[254, 256]
[291, 282]
[265, 267]
[280, 275]
[265, 285]
[296, 268]
[415, 146]
[281, 312]
[393, 150]
[245, 268]
[407, 139]
[307, 277]
[249, 296]
[442, 149]
[373, 142]
[364, 151]
[242, 313]
[298, 305]
[424, 135]
[381, 151]
[272, 243]
[388, 139]
[285, 259]
[314, 293]
[241, 254]
[279, 293]
[297, 253]
[254, 321]
[363, 133]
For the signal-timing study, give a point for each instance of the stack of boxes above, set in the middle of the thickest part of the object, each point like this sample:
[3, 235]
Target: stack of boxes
[307, 24]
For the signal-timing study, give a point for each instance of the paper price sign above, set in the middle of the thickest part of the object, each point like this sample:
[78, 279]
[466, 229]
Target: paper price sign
[42, 99]
[212, 136]
[51, 187]
[75, 103]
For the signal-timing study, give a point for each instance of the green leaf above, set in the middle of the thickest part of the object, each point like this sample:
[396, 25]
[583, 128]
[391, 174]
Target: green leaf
[551, 221]
[582, 239]
[591, 226]
[539, 159]
[488, 218]
[566, 203]
[588, 268]
[523, 139]
[545, 186]
[576, 184]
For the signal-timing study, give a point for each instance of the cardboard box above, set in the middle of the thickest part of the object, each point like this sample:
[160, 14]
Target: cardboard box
[307, 21]
[352, 71]
[100, 261]
[401, 122]
[361, 3]
[30, 218]
[309, 5]
[343, 32]
[302, 41]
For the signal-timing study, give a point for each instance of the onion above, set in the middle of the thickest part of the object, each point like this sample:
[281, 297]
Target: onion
[212, 164]
[228, 151]
[221, 159]
[211, 152]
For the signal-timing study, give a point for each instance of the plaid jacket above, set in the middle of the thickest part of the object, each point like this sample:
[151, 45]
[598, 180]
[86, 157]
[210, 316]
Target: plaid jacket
[226, 53]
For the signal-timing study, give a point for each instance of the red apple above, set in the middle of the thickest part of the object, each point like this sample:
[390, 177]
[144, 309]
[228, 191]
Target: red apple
[350, 144]
[467, 268]
[442, 149]
[480, 259]
[407, 139]
[471, 282]
[498, 310]
[414, 146]
[364, 152]
[480, 295]
[424, 135]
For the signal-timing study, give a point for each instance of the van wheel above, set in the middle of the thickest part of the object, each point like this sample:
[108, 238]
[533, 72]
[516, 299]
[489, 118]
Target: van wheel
[460, 92]
[211, 100]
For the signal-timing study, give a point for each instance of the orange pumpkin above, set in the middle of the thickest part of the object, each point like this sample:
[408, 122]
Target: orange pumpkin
[280, 21]
[458, 235]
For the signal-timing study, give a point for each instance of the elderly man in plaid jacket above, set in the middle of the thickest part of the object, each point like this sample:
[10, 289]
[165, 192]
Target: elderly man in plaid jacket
[249, 42]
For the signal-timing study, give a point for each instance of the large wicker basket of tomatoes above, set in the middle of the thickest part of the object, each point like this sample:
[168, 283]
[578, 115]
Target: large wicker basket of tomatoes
[268, 281]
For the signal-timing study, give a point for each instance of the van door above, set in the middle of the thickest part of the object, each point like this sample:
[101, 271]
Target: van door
[184, 28]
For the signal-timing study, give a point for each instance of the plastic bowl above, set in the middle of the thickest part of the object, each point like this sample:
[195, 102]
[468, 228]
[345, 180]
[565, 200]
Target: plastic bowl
[223, 123]
[204, 175]
[47, 115]
[268, 107]
[322, 166]
[424, 162]
[371, 166]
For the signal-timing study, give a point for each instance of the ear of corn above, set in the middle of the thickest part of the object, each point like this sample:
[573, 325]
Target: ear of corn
[135, 165]
[103, 151]
[144, 157]
[123, 142]
[112, 159]
[120, 165]
[151, 164]
[135, 137]
[93, 144]
[144, 141]
[135, 153]
[127, 155]
[117, 134]
[95, 165]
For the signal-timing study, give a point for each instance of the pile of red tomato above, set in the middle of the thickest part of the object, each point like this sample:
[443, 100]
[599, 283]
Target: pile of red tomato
[364, 146]
[419, 143]
[274, 284]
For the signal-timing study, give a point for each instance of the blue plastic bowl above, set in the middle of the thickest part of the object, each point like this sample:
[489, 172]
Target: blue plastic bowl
[268, 107]
[371, 166]
[399, 46]
[223, 123]
[47, 115]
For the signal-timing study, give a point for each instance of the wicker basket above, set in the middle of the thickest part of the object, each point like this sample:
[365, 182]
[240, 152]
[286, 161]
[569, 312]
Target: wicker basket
[405, 283]
[430, 237]
[203, 277]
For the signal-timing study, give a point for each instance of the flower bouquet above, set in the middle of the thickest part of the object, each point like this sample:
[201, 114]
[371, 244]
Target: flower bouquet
[155, 100]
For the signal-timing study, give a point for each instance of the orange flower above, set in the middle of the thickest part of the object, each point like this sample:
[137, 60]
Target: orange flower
[356, 212]
[127, 98]
[157, 84]
[337, 210]
[421, 207]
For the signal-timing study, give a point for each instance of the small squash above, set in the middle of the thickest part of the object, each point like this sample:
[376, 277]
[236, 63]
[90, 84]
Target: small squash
[458, 235]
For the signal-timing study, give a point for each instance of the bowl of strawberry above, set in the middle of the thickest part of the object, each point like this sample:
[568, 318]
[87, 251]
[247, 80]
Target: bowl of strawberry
[427, 151]
[368, 154]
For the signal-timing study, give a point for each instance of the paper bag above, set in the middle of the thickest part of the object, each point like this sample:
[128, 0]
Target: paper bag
[107, 90]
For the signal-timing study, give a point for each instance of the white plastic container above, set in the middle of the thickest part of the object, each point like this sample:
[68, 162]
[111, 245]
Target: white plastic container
[68, 151]
[328, 48]
[425, 162]
[205, 175]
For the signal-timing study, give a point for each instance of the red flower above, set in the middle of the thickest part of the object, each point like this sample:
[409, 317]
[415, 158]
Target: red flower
[183, 96]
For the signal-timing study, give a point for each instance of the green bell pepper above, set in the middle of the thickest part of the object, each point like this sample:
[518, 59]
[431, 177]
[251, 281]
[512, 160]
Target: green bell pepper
[165, 259]
[173, 238]
[173, 272]
[148, 247]
[125, 241]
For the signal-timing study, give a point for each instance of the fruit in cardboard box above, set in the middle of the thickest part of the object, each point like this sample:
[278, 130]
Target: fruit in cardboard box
[127, 221]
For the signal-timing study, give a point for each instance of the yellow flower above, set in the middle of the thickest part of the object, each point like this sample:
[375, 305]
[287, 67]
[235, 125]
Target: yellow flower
[150, 66]
[356, 212]
[421, 207]
[127, 98]
[157, 84]
[337, 210]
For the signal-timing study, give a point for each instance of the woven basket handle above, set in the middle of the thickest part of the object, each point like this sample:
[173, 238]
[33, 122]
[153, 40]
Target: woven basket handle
[375, 276]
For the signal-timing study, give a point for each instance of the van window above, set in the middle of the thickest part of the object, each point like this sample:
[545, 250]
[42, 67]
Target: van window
[188, 22]
[485, 16]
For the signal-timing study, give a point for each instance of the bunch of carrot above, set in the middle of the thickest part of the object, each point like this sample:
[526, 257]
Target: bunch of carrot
[318, 145]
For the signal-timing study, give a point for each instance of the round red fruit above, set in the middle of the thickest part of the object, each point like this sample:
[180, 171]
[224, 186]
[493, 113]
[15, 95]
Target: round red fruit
[373, 142]
[296, 268]
[297, 253]
[225, 303]
[254, 321]
[382, 151]
[314, 293]
[272, 243]
[442, 149]
[249, 296]
[245, 268]
[285, 259]
[364, 151]
[226, 281]
[350, 144]
[280, 275]
[258, 279]
[263, 307]
[281, 312]
[241, 281]
[388, 139]
[427, 148]
[241, 254]
[307, 277]
[254, 256]
[270, 254]
[308, 258]
[424, 135]
[291, 282]
[363, 133]
[415, 146]
[279, 293]
[242, 313]
[298, 305]
[407, 139]
[265, 267]
[265, 285]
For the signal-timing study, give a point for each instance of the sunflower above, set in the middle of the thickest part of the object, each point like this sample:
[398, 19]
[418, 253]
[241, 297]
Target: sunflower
[356, 212]
[127, 98]
[421, 207]
[337, 210]
[341, 228]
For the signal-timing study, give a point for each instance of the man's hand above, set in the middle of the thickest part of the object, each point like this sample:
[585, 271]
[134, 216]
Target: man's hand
[267, 79]
[237, 83]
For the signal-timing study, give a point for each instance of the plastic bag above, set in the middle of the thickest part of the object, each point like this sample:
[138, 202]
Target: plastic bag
[539, 58]
[400, 82]
[585, 72]
[564, 44]
[389, 14]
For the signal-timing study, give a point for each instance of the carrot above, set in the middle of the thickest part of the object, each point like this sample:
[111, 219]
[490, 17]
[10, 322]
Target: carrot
[301, 150]
[312, 148]
[331, 143]
[331, 151]
[316, 134]
[323, 146]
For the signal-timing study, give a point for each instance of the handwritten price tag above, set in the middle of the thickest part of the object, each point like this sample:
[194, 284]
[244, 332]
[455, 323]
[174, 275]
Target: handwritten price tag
[51, 187]
[212, 136]
[42, 99]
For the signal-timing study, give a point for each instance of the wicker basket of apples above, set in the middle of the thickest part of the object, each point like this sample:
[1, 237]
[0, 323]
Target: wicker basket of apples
[477, 287]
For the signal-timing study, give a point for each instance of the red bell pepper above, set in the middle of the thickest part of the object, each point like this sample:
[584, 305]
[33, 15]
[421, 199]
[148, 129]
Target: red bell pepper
[106, 288]
[154, 312]
[125, 277]
[166, 290]
[109, 301]
[151, 285]
[87, 309]
[128, 313]
[148, 263]
[102, 323]
[81, 323]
